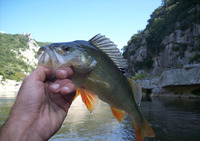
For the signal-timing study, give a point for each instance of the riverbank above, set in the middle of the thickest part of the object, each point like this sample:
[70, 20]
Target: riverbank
[183, 82]
[9, 88]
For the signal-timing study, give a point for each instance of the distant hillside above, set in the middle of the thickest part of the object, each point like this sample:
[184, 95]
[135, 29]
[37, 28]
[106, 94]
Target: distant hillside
[17, 53]
[171, 39]
[42, 43]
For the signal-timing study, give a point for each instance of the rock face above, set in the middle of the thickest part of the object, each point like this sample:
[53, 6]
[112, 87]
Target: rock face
[175, 81]
[180, 48]
[152, 50]
[9, 88]
[180, 77]
[167, 51]
[149, 83]
[30, 52]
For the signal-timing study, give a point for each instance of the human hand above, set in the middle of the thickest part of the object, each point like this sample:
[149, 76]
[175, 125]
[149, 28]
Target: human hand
[41, 106]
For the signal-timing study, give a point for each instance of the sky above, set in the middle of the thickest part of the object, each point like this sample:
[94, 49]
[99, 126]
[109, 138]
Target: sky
[69, 20]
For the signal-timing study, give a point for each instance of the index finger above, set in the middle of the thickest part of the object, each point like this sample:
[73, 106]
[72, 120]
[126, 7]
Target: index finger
[64, 72]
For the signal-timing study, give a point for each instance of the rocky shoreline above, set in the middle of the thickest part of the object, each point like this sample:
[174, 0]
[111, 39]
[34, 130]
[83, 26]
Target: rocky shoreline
[183, 82]
[9, 88]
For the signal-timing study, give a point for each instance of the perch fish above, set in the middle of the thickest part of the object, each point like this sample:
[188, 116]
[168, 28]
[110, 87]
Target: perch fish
[97, 76]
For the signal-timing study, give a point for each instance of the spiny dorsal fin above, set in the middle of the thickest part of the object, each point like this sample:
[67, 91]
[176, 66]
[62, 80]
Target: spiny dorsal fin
[110, 49]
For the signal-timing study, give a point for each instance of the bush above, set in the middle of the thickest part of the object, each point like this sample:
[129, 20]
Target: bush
[146, 64]
[139, 76]
[13, 67]
[195, 58]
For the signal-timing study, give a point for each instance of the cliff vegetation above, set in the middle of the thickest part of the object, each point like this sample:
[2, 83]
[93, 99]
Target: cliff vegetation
[171, 39]
[17, 53]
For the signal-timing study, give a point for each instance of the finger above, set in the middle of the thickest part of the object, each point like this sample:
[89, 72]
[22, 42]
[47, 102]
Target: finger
[54, 88]
[68, 89]
[64, 72]
[40, 73]
[64, 86]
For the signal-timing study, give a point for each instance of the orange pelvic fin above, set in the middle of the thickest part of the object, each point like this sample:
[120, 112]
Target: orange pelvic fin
[119, 114]
[143, 131]
[77, 93]
[90, 99]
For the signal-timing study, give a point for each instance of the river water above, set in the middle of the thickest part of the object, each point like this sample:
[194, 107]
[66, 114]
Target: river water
[172, 119]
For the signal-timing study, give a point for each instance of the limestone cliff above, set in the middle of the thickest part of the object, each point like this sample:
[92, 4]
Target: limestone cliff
[170, 40]
[30, 52]
[18, 58]
[164, 58]
[18, 55]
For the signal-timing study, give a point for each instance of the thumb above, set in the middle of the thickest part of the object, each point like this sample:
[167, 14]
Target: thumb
[41, 73]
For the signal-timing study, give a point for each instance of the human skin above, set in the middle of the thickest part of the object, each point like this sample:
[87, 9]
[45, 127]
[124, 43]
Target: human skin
[40, 107]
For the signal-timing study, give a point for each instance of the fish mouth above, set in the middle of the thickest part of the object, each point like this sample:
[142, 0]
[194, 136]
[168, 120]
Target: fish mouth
[47, 57]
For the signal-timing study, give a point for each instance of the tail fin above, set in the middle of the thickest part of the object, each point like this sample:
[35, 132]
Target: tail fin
[143, 131]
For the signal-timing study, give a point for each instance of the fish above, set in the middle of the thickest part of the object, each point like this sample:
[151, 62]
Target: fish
[96, 65]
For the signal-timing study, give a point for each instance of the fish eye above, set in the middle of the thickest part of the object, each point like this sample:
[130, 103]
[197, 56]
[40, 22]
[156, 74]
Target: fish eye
[67, 49]
[60, 51]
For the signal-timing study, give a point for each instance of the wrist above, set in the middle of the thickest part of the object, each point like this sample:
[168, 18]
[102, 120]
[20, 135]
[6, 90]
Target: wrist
[17, 131]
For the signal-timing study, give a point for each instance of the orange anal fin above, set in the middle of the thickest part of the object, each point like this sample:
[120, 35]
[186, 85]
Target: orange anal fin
[119, 114]
[90, 99]
[143, 131]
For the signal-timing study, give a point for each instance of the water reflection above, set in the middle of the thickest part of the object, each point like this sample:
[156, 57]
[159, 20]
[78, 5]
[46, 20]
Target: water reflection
[5, 106]
[171, 119]
[81, 125]
[174, 119]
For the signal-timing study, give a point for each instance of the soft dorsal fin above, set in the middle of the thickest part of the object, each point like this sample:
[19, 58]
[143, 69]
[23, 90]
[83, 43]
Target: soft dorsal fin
[109, 48]
[137, 91]
[90, 99]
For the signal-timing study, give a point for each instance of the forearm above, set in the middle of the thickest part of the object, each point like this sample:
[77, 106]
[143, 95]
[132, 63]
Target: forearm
[15, 131]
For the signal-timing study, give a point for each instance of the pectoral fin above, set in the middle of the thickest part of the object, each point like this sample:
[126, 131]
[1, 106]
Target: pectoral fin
[90, 99]
[119, 114]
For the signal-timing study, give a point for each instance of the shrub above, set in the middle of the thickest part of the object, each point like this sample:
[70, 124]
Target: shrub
[139, 76]
[13, 66]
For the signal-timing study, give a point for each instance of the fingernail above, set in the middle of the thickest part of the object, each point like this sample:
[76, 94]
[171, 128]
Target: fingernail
[55, 86]
[66, 89]
[64, 73]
